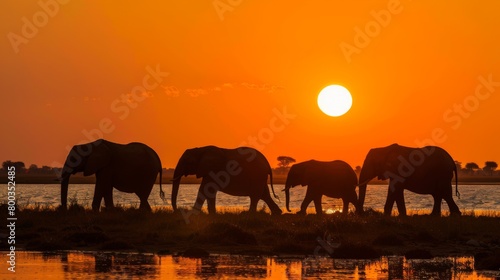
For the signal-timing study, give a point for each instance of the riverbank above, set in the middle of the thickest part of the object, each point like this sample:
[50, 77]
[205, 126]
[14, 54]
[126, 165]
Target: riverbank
[235, 232]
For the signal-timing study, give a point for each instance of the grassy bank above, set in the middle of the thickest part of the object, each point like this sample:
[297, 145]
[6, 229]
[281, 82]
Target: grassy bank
[236, 232]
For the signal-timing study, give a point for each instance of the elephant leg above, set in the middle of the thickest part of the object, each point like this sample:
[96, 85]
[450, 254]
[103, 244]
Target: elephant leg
[453, 206]
[400, 201]
[448, 197]
[389, 202]
[143, 195]
[144, 203]
[317, 205]
[266, 197]
[98, 196]
[96, 202]
[211, 204]
[307, 200]
[200, 199]
[108, 199]
[253, 204]
[345, 207]
[436, 209]
[349, 197]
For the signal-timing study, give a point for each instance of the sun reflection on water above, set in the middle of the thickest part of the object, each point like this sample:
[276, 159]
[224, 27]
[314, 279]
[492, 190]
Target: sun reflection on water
[84, 265]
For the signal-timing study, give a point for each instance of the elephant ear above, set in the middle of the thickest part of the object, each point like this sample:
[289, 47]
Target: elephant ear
[392, 158]
[99, 158]
[304, 173]
[212, 160]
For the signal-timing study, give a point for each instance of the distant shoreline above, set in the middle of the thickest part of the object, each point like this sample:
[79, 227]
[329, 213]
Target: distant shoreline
[167, 179]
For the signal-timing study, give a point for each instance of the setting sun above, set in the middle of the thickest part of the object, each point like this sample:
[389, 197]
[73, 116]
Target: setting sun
[334, 100]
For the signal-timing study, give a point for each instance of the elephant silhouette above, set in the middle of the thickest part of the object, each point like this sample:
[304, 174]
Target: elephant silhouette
[334, 179]
[130, 168]
[239, 172]
[427, 170]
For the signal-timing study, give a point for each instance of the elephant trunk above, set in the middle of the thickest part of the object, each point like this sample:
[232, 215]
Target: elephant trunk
[287, 197]
[364, 178]
[288, 185]
[175, 188]
[64, 189]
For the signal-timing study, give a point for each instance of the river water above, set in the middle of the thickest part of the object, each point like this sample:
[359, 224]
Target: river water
[476, 198]
[101, 265]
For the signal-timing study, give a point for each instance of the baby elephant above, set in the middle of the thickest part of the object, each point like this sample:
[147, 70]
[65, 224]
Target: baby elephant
[334, 179]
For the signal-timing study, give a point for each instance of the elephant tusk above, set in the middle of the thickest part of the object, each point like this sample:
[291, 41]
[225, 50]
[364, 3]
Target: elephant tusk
[364, 183]
[176, 178]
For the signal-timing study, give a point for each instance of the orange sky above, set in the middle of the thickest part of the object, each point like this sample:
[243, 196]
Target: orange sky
[67, 67]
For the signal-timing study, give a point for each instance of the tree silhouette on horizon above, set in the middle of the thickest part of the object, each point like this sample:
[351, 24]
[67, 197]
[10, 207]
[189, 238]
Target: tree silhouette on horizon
[19, 165]
[471, 166]
[489, 167]
[283, 163]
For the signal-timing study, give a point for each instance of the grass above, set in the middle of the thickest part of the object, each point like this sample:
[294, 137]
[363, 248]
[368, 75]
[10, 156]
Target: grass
[44, 228]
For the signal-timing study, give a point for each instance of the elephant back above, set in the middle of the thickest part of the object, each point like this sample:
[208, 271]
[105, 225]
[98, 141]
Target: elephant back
[341, 170]
[249, 159]
[336, 172]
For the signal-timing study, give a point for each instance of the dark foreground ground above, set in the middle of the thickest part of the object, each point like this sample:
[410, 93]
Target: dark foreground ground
[190, 234]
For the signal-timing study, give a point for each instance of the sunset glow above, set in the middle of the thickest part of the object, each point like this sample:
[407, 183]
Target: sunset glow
[177, 75]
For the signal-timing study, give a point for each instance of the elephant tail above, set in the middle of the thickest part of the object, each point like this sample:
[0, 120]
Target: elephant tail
[162, 194]
[456, 182]
[271, 181]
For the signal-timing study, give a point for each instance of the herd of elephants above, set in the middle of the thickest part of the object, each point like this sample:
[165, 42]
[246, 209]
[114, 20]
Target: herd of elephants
[133, 168]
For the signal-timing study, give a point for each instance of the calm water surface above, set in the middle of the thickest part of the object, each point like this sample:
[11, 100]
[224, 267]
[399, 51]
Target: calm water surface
[92, 265]
[473, 197]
